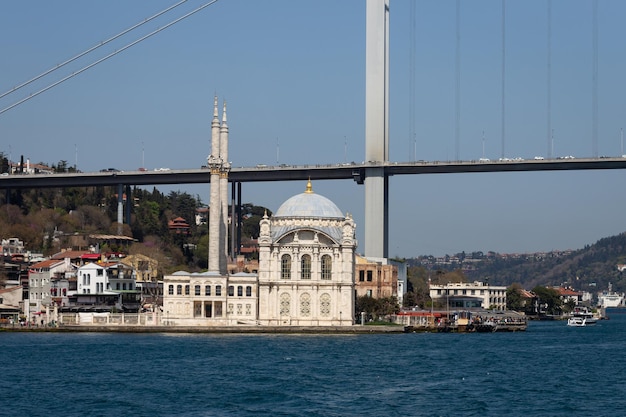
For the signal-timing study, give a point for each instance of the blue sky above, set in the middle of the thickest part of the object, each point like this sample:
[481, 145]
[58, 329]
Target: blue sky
[293, 74]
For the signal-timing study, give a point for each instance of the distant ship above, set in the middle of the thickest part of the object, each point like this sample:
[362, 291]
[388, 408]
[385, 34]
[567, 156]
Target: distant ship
[608, 299]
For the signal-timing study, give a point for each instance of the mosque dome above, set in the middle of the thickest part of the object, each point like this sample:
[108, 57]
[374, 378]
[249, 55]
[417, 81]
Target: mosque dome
[308, 204]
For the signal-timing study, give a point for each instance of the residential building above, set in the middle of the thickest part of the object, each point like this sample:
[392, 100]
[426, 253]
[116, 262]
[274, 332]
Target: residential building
[375, 277]
[50, 283]
[147, 280]
[105, 286]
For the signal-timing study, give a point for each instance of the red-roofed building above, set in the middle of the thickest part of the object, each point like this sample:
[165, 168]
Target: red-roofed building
[49, 284]
[179, 226]
[567, 294]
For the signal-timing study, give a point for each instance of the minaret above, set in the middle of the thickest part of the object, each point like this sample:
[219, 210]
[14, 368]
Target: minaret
[224, 189]
[215, 206]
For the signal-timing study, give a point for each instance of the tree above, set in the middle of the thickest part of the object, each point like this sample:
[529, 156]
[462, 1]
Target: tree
[549, 300]
[514, 299]
[375, 308]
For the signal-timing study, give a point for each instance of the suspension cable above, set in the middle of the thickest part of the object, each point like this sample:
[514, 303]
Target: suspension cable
[32, 95]
[93, 48]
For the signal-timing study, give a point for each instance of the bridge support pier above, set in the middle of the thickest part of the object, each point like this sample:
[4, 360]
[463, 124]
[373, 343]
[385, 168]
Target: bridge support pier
[120, 208]
[376, 127]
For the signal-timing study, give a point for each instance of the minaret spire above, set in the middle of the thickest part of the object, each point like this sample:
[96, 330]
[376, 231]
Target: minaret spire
[215, 164]
[225, 169]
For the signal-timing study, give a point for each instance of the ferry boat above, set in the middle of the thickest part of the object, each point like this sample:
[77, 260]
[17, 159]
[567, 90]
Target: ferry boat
[581, 316]
[608, 299]
[577, 321]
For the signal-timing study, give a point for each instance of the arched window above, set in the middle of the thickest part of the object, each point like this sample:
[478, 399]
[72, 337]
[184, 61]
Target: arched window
[325, 305]
[327, 267]
[207, 290]
[305, 305]
[248, 291]
[179, 290]
[239, 291]
[231, 290]
[285, 267]
[306, 266]
[218, 292]
[285, 304]
[196, 290]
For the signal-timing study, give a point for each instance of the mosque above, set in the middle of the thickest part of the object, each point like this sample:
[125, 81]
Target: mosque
[306, 262]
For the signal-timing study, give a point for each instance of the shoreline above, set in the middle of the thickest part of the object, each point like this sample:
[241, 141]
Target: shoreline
[358, 329]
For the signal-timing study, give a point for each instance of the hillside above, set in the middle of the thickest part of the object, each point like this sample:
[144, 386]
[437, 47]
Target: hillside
[591, 268]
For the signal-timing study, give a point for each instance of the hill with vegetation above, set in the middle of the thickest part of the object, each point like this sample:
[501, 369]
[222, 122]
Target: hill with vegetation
[591, 268]
[47, 219]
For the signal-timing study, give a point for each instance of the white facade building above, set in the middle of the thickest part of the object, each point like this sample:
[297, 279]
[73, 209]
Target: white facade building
[464, 295]
[306, 264]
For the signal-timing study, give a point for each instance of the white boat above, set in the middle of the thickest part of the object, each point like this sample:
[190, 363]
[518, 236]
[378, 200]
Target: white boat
[577, 321]
[581, 316]
[608, 299]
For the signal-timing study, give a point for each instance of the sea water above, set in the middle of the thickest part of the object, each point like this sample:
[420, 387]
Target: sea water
[549, 370]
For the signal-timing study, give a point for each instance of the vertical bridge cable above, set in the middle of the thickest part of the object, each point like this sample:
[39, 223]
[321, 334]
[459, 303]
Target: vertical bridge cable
[93, 48]
[549, 81]
[502, 121]
[457, 104]
[594, 100]
[412, 41]
[154, 32]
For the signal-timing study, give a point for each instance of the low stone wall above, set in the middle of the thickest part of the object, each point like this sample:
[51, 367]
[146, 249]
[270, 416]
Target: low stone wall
[216, 329]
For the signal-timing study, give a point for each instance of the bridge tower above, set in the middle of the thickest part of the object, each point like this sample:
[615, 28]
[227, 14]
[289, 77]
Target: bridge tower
[377, 128]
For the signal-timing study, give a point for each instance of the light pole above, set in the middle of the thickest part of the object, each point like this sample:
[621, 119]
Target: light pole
[432, 319]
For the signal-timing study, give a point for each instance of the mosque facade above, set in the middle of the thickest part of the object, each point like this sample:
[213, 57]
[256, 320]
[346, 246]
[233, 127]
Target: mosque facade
[306, 262]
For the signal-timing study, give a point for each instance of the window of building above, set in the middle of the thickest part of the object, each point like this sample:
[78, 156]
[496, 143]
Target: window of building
[285, 301]
[218, 292]
[231, 290]
[117, 286]
[325, 305]
[239, 309]
[369, 276]
[186, 289]
[305, 305]
[285, 267]
[99, 272]
[197, 308]
[327, 267]
[197, 290]
[179, 290]
[239, 291]
[248, 309]
[207, 290]
[361, 276]
[230, 308]
[369, 293]
[305, 264]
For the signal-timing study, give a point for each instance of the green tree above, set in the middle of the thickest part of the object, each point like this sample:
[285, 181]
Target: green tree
[549, 300]
[514, 299]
